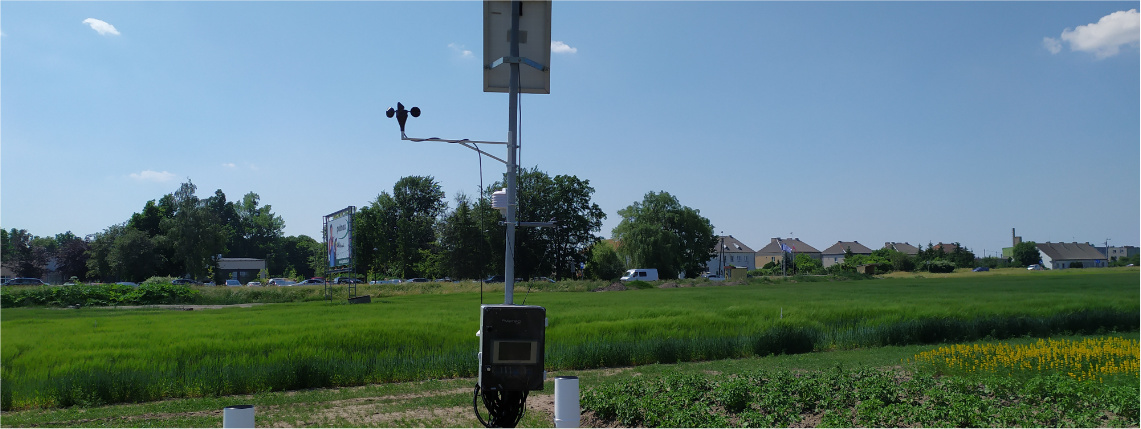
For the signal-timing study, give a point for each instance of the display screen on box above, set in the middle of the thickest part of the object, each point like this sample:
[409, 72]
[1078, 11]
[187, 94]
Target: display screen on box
[514, 352]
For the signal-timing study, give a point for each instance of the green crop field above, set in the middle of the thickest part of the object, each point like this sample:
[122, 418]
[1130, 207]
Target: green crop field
[58, 358]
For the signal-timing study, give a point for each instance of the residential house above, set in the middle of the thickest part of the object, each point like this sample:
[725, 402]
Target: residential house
[730, 251]
[1057, 256]
[772, 252]
[947, 248]
[905, 248]
[1114, 253]
[835, 254]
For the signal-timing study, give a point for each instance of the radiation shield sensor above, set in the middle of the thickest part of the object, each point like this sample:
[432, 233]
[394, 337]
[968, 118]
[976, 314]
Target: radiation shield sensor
[511, 345]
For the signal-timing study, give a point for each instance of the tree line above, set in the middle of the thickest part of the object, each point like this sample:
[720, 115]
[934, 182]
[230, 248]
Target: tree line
[179, 235]
[409, 232]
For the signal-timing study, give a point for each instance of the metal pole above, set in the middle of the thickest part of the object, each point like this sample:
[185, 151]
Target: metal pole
[512, 145]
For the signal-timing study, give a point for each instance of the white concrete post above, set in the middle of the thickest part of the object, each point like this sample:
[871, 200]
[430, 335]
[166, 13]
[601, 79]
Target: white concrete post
[238, 416]
[567, 412]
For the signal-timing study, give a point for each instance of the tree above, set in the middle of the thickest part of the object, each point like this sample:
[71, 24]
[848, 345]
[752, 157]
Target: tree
[98, 264]
[71, 255]
[195, 232]
[961, 257]
[132, 256]
[565, 200]
[258, 230]
[604, 263]
[25, 254]
[806, 264]
[659, 232]
[419, 203]
[464, 248]
[1025, 253]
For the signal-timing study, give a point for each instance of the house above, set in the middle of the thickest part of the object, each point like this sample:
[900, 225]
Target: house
[1058, 256]
[730, 251]
[1114, 253]
[772, 252]
[905, 248]
[947, 248]
[835, 254]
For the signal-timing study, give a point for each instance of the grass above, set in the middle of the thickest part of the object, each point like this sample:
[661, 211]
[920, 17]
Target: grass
[93, 356]
[447, 403]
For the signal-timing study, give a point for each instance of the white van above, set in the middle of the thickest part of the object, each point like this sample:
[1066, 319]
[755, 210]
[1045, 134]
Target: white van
[645, 274]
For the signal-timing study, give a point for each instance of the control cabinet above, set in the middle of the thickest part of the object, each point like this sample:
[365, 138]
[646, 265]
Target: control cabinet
[511, 341]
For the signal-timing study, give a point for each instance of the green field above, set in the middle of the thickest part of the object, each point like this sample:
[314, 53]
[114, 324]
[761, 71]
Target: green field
[59, 358]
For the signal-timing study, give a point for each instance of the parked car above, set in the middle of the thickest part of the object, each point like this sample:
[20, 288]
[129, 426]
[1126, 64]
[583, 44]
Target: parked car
[233, 283]
[280, 282]
[312, 282]
[981, 269]
[1035, 267]
[253, 284]
[385, 282]
[346, 280]
[23, 281]
[416, 280]
[494, 279]
[183, 282]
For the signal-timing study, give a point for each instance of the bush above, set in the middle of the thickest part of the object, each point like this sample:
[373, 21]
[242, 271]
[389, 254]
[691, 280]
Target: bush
[940, 266]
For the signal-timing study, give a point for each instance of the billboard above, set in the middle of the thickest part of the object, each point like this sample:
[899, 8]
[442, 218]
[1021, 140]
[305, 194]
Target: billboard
[339, 237]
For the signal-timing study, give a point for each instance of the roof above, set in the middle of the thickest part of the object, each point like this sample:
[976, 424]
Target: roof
[906, 248]
[1070, 251]
[730, 244]
[795, 243]
[240, 263]
[948, 248]
[842, 246]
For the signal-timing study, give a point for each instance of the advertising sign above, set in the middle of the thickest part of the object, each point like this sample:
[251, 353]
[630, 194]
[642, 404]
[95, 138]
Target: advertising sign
[338, 237]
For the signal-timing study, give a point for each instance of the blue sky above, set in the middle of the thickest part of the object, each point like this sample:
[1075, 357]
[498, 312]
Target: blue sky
[874, 122]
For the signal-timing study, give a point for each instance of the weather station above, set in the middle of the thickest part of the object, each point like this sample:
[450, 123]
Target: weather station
[516, 53]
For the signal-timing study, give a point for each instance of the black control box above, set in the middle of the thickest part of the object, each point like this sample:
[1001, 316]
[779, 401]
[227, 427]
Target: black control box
[511, 341]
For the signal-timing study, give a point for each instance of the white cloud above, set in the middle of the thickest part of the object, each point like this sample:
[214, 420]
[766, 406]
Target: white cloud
[459, 49]
[153, 176]
[101, 27]
[1103, 38]
[562, 48]
[229, 165]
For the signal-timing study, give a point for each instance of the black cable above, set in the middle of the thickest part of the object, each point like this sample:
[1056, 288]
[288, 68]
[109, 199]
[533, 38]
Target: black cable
[505, 408]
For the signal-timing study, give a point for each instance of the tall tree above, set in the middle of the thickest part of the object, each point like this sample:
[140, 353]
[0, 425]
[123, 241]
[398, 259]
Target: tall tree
[419, 202]
[258, 230]
[25, 254]
[195, 232]
[98, 261]
[71, 255]
[659, 232]
[566, 200]
[464, 247]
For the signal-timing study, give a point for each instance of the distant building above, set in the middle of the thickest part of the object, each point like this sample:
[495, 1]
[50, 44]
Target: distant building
[1059, 256]
[905, 248]
[1113, 253]
[835, 254]
[730, 251]
[772, 252]
[243, 270]
[947, 248]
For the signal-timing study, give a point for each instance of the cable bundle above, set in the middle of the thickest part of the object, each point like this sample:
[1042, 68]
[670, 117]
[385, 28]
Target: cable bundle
[504, 408]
